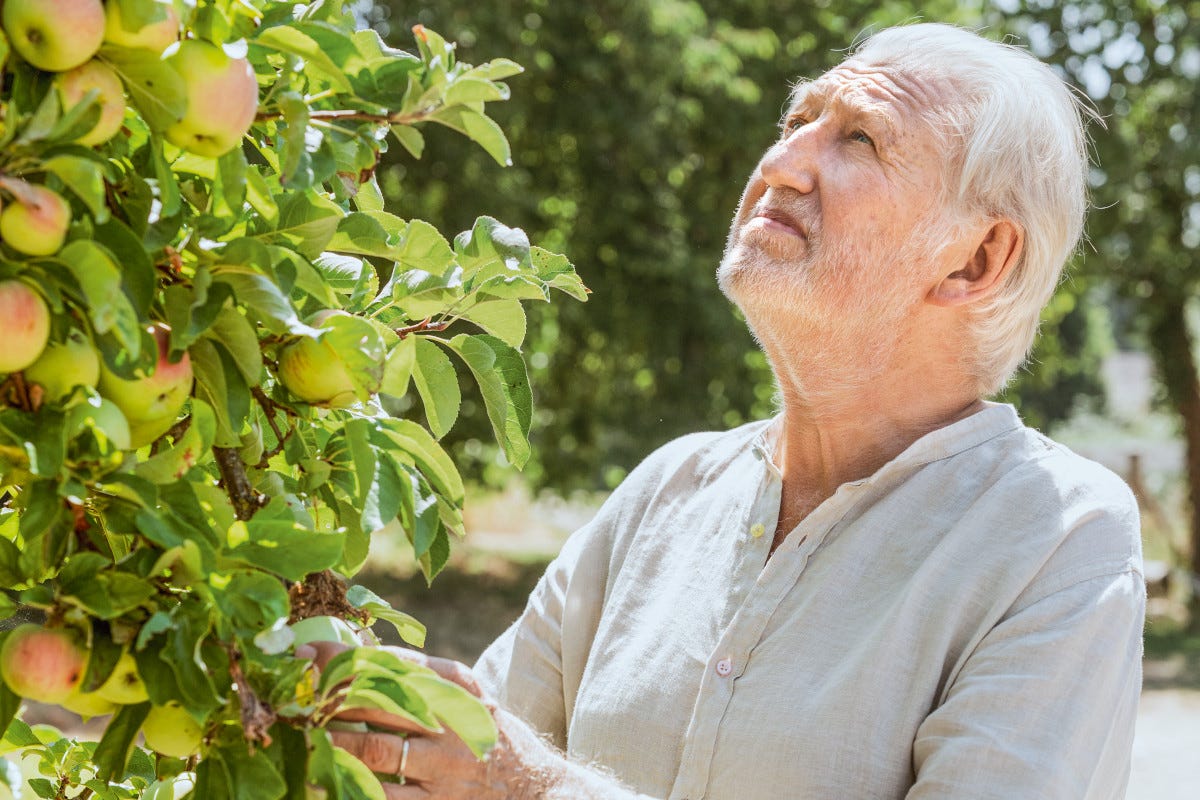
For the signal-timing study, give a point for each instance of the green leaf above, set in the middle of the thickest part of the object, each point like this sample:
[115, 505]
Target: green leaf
[398, 368]
[410, 139]
[251, 600]
[283, 547]
[261, 295]
[90, 583]
[426, 453]
[504, 319]
[468, 90]
[287, 39]
[410, 630]
[112, 752]
[500, 372]
[220, 384]
[437, 384]
[495, 70]
[362, 233]
[85, 178]
[457, 709]
[155, 88]
[191, 448]
[100, 279]
[307, 221]
[479, 128]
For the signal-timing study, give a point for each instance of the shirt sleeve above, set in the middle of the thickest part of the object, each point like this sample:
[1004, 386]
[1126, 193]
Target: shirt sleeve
[534, 668]
[1045, 706]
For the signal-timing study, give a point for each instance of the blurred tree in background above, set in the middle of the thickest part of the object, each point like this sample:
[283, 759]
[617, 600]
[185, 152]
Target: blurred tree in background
[1139, 61]
[639, 122]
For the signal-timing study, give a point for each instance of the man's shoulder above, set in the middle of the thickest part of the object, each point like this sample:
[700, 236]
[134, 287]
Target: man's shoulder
[700, 454]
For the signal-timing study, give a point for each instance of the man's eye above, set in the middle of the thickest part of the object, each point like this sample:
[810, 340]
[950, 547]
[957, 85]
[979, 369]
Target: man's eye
[859, 136]
[792, 124]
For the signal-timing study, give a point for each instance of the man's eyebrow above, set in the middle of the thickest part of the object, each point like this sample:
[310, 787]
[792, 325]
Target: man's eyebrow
[808, 93]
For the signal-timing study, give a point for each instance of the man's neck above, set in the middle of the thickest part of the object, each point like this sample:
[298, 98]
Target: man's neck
[848, 436]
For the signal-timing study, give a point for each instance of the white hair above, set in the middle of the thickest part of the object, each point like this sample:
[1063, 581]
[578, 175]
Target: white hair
[1015, 132]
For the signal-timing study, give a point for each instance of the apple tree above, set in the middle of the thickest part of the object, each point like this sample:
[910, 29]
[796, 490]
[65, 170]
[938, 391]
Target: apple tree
[208, 323]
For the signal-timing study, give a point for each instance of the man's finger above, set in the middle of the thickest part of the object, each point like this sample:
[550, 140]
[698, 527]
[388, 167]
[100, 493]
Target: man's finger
[408, 791]
[385, 753]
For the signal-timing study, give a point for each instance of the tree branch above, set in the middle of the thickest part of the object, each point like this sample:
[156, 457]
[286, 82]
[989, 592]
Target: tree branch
[245, 499]
[423, 325]
[334, 115]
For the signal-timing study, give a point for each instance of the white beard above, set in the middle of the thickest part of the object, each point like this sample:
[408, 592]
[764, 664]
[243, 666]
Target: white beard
[830, 315]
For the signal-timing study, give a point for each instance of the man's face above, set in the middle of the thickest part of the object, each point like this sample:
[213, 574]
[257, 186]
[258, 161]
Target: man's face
[833, 233]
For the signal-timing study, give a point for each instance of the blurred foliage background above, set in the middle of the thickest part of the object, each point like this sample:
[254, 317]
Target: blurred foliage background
[634, 128]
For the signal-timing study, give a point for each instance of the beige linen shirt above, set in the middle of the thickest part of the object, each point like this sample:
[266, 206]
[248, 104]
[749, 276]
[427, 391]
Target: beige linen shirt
[965, 623]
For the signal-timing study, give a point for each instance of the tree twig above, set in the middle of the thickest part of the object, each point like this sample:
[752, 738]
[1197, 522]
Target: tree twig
[245, 499]
[328, 115]
[423, 325]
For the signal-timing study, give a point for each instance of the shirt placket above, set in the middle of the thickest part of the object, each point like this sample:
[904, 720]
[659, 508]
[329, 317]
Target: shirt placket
[759, 601]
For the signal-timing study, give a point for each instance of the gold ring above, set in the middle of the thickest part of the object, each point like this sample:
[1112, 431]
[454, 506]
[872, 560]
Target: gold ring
[404, 760]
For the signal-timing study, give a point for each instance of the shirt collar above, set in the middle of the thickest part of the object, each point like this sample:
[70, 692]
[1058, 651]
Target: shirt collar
[989, 422]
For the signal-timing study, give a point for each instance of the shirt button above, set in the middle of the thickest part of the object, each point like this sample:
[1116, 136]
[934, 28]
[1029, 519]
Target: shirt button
[724, 667]
[757, 530]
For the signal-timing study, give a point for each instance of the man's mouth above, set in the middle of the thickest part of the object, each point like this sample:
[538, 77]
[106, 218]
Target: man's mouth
[775, 219]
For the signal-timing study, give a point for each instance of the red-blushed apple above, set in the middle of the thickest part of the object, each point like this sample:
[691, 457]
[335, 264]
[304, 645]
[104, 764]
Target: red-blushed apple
[36, 222]
[24, 325]
[156, 36]
[43, 664]
[74, 85]
[54, 35]
[172, 731]
[151, 403]
[222, 99]
[63, 366]
[124, 686]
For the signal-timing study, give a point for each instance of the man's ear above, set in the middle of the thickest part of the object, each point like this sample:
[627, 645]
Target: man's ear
[985, 268]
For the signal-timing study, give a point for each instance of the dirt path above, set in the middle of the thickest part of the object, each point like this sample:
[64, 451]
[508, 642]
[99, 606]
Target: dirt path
[1165, 766]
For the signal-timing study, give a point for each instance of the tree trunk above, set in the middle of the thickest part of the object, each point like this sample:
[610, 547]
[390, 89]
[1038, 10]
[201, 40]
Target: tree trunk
[1174, 351]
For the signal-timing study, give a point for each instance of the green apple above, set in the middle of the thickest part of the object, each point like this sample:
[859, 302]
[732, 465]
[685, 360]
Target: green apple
[222, 99]
[313, 370]
[104, 418]
[24, 325]
[42, 664]
[54, 35]
[88, 704]
[172, 731]
[156, 36]
[124, 686]
[36, 223]
[151, 402]
[324, 629]
[74, 85]
[64, 365]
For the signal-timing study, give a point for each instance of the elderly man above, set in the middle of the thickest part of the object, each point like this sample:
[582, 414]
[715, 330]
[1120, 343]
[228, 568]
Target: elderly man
[893, 589]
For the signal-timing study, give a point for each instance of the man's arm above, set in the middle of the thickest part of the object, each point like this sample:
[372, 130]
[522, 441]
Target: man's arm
[1045, 706]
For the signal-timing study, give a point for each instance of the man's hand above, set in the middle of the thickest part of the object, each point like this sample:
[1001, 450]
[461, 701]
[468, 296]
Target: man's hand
[439, 765]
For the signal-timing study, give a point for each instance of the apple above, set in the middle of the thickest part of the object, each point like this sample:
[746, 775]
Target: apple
[36, 224]
[151, 402]
[222, 99]
[324, 629]
[24, 325]
[156, 36]
[313, 370]
[103, 417]
[54, 35]
[63, 366]
[88, 704]
[73, 86]
[43, 664]
[124, 686]
[172, 731]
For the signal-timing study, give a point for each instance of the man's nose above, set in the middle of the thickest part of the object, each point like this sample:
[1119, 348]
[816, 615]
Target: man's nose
[791, 161]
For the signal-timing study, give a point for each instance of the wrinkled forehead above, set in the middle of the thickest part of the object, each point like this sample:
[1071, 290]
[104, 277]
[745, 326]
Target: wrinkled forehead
[904, 95]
